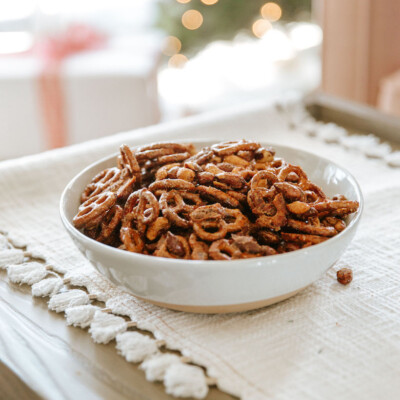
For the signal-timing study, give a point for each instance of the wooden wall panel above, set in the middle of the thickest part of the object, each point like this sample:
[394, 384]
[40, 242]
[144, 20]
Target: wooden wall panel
[361, 46]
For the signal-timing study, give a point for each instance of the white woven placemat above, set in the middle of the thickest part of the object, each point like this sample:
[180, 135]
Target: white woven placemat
[328, 342]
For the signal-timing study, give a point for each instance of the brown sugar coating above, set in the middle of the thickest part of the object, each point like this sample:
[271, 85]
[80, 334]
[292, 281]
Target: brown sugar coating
[232, 200]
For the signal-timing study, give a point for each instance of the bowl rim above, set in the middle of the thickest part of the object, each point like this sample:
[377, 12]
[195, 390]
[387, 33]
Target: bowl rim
[206, 264]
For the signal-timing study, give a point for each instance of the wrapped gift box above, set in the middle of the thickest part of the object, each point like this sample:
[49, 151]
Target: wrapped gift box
[104, 91]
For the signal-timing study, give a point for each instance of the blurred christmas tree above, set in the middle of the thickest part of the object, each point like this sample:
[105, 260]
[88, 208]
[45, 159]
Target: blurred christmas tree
[194, 23]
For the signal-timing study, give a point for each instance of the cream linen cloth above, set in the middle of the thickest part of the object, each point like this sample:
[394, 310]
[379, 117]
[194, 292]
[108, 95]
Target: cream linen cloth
[328, 342]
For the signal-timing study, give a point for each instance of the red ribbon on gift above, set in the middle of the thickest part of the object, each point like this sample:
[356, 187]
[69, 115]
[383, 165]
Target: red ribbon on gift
[53, 51]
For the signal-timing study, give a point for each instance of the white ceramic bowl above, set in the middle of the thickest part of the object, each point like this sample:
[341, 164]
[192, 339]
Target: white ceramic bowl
[219, 286]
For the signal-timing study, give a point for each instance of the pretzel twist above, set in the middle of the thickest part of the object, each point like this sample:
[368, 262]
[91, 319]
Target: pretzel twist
[93, 208]
[101, 182]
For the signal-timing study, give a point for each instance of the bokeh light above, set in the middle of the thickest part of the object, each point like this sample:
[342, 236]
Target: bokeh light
[192, 19]
[172, 46]
[177, 61]
[209, 2]
[183, 1]
[261, 27]
[271, 11]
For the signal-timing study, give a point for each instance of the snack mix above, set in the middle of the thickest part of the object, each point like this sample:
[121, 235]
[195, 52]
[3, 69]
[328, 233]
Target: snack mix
[232, 200]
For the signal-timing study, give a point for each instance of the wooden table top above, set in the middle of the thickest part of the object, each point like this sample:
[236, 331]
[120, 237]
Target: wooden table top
[41, 357]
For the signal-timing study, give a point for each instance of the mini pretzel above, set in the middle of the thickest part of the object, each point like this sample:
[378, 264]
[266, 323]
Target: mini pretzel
[141, 207]
[91, 232]
[268, 237]
[152, 154]
[260, 201]
[174, 158]
[221, 186]
[241, 197]
[234, 219]
[286, 170]
[169, 184]
[313, 192]
[286, 247]
[340, 212]
[173, 246]
[102, 181]
[279, 219]
[201, 157]
[303, 227]
[278, 164]
[290, 191]
[124, 187]
[93, 208]
[200, 249]
[263, 179]
[333, 205]
[148, 207]
[217, 196]
[175, 147]
[131, 240]
[302, 238]
[209, 217]
[212, 211]
[110, 222]
[173, 203]
[218, 226]
[157, 228]
[129, 161]
[223, 219]
[228, 148]
[224, 249]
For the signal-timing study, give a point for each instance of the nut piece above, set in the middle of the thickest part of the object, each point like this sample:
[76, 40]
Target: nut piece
[186, 174]
[344, 276]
